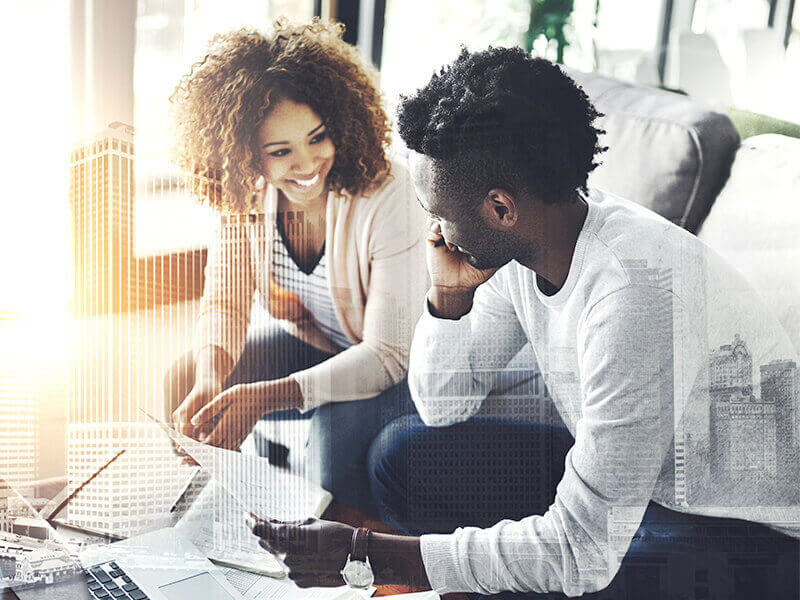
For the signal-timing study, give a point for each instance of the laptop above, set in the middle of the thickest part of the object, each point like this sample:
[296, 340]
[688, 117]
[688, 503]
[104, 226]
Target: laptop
[160, 565]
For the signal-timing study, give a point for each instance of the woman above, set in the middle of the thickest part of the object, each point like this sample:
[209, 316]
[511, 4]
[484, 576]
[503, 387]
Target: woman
[322, 225]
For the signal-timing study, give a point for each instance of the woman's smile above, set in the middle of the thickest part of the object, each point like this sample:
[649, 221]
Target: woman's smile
[298, 153]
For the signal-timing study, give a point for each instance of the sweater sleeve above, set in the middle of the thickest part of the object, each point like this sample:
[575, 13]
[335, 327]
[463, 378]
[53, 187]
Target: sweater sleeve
[621, 440]
[228, 291]
[397, 283]
[455, 363]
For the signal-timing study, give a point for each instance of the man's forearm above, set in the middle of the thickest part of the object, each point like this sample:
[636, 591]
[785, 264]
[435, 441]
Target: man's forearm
[397, 560]
[450, 303]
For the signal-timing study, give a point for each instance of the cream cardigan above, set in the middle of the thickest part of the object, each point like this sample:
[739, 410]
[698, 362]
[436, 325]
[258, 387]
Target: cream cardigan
[376, 275]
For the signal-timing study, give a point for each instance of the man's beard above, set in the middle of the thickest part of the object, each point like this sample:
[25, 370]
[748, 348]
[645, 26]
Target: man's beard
[487, 262]
[492, 253]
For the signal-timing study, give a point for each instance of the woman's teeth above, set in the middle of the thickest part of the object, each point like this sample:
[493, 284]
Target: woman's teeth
[306, 182]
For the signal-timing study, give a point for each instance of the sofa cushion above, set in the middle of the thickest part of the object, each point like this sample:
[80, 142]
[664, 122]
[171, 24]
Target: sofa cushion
[666, 151]
[755, 223]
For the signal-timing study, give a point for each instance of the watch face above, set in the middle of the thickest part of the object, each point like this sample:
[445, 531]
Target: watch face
[357, 574]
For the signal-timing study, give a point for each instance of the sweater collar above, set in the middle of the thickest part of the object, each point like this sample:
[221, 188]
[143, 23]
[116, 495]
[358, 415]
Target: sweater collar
[578, 256]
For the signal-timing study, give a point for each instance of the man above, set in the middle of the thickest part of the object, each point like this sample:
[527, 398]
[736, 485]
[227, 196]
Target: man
[645, 339]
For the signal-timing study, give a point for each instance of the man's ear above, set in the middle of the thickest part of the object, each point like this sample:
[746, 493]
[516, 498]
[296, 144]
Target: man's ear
[500, 209]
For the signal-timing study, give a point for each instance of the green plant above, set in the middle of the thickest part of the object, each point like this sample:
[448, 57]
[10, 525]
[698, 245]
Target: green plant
[549, 18]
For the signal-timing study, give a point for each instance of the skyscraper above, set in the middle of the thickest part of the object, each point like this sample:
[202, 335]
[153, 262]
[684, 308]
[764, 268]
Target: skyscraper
[731, 367]
[128, 331]
[101, 198]
[108, 276]
[780, 386]
[664, 322]
[19, 447]
[137, 490]
[742, 434]
[19, 443]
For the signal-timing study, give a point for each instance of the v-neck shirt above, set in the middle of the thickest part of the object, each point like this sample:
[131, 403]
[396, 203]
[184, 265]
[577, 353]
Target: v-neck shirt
[311, 287]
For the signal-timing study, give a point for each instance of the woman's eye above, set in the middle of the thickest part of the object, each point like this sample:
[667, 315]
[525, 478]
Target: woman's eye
[319, 137]
[280, 153]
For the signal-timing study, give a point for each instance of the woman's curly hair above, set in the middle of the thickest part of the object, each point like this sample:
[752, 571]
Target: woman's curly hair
[219, 104]
[501, 117]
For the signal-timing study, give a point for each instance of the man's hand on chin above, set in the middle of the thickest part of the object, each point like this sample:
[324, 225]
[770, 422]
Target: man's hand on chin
[453, 279]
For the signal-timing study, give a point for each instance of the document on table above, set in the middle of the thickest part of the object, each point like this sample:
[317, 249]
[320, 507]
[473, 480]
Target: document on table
[259, 487]
[215, 523]
[241, 484]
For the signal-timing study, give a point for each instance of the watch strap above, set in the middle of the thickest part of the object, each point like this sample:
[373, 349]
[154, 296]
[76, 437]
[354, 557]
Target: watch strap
[360, 544]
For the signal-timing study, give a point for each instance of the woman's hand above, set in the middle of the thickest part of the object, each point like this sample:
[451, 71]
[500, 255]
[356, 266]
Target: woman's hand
[204, 391]
[231, 415]
[285, 305]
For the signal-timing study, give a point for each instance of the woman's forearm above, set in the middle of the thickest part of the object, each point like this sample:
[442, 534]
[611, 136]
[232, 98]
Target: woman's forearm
[213, 363]
[284, 394]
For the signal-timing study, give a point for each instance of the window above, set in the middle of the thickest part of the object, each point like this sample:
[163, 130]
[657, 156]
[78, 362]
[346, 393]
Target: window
[600, 36]
[420, 36]
[624, 42]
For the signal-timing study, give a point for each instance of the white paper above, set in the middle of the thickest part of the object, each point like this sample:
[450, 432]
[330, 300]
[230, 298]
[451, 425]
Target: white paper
[259, 487]
[255, 587]
[215, 523]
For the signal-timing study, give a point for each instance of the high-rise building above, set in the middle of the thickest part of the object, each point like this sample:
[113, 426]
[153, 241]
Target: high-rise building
[101, 198]
[780, 386]
[108, 276]
[664, 322]
[742, 427]
[128, 331]
[136, 491]
[731, 367]
[19, 443]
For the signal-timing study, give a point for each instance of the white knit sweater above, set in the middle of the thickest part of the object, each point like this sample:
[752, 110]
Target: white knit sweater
[624, 348]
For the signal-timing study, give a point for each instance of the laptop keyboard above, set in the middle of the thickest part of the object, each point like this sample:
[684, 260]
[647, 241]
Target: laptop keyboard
[108, 582]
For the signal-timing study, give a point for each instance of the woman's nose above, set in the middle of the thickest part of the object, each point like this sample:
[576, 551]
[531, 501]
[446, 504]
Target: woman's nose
[305, 163]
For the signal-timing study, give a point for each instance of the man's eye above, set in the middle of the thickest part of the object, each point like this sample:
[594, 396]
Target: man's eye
[319, 137]
[280, 153]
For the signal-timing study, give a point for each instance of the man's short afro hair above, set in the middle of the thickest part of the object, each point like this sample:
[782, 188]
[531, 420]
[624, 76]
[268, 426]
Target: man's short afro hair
[503, 118]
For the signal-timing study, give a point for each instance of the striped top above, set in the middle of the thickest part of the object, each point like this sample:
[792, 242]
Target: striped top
[311, 288]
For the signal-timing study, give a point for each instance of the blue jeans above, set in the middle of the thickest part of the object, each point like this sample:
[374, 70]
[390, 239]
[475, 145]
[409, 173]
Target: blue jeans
[432, 480]
[341, 432]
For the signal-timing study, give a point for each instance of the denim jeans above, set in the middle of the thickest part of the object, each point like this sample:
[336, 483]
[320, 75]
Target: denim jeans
[340, 433]
[432, 480]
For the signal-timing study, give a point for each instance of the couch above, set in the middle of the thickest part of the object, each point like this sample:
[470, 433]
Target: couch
[687, 162]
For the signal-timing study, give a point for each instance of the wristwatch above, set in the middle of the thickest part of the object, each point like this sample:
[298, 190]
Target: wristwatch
[357, 572]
